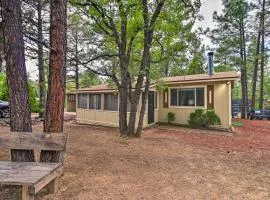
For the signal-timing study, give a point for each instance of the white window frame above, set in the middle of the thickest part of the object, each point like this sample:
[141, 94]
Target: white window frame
[187, 87]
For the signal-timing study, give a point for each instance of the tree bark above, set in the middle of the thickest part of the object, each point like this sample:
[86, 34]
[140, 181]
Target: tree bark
[243, 71]
[261, 101]
[20, 115]
[255, 70]
[1, 46]
[76, 60]
[1, 41]
[123, 93]
[54, 114]
[143, 107]
[145, 64]
[41, 71]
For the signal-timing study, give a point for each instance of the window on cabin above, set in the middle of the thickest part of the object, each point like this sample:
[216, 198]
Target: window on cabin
[95, 101]
[199, 96]
[187, 97]
[174, 97]
[82, 101]
[111, 102]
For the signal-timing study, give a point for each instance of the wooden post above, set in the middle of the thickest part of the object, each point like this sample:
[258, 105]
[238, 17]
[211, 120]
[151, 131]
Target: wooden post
[26, 195]
[53, 185]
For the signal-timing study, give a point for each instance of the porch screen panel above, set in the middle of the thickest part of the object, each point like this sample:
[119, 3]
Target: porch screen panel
[95, 101]
[186, 97]
[82, 101]
[111, 102]
[71, 97]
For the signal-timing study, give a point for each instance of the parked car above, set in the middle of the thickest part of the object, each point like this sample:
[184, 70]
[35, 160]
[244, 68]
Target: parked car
[259, 114]
[4, 109]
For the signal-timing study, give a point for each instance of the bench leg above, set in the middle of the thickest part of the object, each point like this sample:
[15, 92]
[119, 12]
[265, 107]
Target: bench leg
[26, 195]
[53, 185]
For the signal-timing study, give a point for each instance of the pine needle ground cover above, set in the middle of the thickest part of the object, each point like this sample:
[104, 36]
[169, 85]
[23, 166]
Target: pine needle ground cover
[182, 164]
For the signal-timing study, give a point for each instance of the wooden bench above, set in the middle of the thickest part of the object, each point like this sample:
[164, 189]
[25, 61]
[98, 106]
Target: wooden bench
[32, 176]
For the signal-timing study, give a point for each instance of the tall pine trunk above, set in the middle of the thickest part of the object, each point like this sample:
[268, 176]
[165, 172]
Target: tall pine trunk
[76, 60]
[261, 101]
[20, 114]
[243, 71]
[41, 71]
[1, 47]
[54, 114]
[255, 70]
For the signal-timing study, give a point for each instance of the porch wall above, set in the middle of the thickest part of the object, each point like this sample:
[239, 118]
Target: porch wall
[105, 117]
[71, 106]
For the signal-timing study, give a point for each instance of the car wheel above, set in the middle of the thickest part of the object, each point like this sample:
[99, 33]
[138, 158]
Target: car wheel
[251, 118]
[5, 113]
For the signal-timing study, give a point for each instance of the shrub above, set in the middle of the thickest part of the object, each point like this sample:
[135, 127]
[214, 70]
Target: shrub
[203, 119]
[170, 117]
[32, 93]
[212, 118]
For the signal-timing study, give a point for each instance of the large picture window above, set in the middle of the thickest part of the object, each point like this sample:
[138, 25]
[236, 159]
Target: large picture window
[82, 101]
[111, 102]
[189, 97]
[95, 101]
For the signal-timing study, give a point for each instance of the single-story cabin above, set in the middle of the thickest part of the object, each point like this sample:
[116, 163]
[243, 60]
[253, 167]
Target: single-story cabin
[99, 104]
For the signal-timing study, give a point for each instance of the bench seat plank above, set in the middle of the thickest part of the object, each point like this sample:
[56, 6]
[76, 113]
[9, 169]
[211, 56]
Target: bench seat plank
[42, 141]
[26, 173]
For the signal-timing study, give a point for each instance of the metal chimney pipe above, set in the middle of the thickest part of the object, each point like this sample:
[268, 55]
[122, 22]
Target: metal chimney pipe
[210, 63]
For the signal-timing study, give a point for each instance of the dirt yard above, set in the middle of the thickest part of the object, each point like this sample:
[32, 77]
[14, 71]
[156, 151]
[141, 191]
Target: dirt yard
[165, 164]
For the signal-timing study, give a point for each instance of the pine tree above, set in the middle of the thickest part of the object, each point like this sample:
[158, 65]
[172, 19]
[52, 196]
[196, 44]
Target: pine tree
[20, 115]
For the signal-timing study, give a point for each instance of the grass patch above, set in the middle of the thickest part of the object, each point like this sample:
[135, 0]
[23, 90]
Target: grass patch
[237, 124]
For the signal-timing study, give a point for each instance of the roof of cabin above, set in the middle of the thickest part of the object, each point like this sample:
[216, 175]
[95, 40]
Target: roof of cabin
[218, 76]
[205, 77]
[98, 88]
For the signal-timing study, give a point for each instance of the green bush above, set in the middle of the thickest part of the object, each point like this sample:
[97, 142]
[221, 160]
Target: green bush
[212, 118]
[170, 117]
[32, 92]
[203, 119]
[3, 87]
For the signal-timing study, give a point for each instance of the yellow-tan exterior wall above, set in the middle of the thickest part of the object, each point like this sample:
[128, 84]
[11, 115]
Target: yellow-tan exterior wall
[222, 107]
[222, 104]
[71, 106]
[107, 118]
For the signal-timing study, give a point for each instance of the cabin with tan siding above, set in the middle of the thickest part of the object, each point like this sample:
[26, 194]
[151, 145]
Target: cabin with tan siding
[98, 105]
